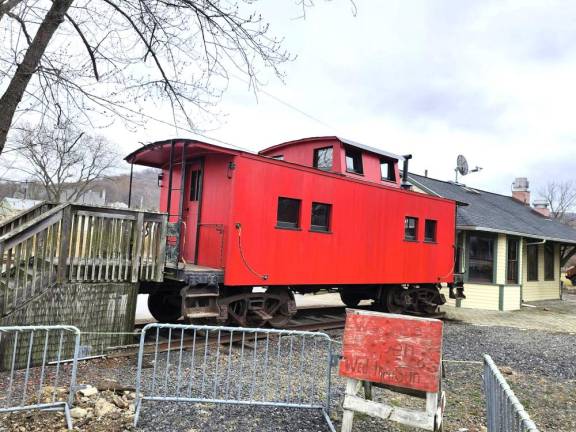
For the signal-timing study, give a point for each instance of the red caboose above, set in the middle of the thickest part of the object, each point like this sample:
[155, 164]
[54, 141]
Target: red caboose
[301, 216]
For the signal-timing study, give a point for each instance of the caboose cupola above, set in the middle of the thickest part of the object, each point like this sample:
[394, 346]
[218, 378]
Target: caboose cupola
[342, 156]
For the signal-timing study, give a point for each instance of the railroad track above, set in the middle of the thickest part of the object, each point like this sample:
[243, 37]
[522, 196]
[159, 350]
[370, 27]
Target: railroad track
[322, 318]
[307, 319]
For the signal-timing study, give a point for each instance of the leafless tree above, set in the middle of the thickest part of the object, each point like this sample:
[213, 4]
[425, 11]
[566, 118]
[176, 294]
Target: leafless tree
[65, 161]
[108, 56]
[561, 196]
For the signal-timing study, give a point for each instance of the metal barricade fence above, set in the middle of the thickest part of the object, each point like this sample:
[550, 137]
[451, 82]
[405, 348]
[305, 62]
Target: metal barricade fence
[234, 365]
[504, 412]
[32, 373]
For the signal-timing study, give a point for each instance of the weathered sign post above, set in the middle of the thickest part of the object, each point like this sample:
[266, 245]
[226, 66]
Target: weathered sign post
[397, 352]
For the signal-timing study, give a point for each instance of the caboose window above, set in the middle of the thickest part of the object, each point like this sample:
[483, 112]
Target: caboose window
[430, 230]
[481, 258]
[278, 157]
[320, 217]
[194, 185]
[288, 213]
[323, 158]
[411, 228]
[387, 169]
[354, 161]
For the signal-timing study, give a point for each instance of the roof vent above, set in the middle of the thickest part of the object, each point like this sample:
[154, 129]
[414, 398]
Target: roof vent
[470, 190]
[541, 206]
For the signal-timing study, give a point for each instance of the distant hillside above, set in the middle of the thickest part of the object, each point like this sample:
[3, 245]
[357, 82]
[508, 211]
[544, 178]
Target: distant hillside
[145, 189]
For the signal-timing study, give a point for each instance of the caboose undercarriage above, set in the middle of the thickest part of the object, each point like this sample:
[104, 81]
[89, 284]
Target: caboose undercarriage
[198, 295]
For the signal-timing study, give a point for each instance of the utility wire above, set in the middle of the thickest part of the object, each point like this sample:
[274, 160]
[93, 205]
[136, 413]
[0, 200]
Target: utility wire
[286, 104]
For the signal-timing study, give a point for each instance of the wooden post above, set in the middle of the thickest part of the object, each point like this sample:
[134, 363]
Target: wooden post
[161, 249]
[64, 243]
[348, 415]
[137, 242]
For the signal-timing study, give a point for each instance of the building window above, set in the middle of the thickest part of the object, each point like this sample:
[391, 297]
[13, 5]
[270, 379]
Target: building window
[387, 171]
[532, 262]
[354, 161]
[481, 258]
[411, 228]
[430, 230]
[512, 260]
[288, 213]
[459, 252]
[549, 261]
[194, 185]
[323, 158]
[278, 157]
[320, 217]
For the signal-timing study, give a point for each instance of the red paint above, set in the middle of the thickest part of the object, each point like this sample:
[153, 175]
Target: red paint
[392, 349]
[365, 246]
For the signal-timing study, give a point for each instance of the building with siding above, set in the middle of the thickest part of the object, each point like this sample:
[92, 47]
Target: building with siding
[508, 251]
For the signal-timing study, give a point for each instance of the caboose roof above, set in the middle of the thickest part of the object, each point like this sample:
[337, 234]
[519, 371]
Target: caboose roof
[342, 140]
[157, 154]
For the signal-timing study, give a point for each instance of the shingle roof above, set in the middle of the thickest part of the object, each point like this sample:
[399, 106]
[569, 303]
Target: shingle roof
[495, 212]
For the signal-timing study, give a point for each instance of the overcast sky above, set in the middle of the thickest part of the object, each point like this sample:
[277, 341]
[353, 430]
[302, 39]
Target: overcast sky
[492, 80]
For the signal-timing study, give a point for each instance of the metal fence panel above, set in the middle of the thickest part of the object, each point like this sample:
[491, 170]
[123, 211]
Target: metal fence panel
[504, 412]
[32, 373]
[234, 365]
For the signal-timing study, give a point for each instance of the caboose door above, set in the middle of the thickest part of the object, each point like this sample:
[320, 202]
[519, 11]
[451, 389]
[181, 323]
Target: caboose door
[191, 210]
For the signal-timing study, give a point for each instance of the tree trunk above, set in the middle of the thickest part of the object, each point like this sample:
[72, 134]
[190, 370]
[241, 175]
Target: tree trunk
[13, 94]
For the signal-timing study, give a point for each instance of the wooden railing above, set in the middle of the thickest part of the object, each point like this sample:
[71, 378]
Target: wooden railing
[24, 216]
[71, 243]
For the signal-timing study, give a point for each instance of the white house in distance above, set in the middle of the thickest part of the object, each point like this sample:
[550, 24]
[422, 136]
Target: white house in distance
[508, 251]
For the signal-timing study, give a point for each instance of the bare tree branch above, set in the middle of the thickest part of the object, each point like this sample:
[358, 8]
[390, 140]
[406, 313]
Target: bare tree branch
[193, 44]
[561, 196]
[87, 45]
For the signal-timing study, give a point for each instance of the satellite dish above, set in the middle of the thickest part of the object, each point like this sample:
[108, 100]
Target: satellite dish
[462, 165]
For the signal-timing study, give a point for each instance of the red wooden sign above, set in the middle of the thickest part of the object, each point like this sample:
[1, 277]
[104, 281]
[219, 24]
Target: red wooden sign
[396, 350]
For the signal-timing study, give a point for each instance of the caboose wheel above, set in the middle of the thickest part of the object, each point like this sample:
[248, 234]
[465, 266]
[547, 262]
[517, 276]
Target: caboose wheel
[349, 299]
[394, 300]
[165, 308]
[282, 313]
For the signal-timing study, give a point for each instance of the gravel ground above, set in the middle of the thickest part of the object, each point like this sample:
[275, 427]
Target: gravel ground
[540, 367]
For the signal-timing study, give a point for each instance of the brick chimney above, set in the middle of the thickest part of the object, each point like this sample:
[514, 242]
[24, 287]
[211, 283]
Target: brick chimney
[541, 206]
[521, 191]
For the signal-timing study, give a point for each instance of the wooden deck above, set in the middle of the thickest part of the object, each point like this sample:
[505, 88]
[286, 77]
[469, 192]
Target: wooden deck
[76, 243]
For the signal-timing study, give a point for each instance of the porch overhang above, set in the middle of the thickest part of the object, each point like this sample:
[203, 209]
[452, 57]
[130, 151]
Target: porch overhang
[516, 233]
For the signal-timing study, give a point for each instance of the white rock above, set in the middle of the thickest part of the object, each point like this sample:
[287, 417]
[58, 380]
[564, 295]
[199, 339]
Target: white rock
[88, 391]
[103, 407]
[78, 412]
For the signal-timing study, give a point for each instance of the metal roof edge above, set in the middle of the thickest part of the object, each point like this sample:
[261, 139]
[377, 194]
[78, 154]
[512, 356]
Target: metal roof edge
[370, 149]
[516, 233]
